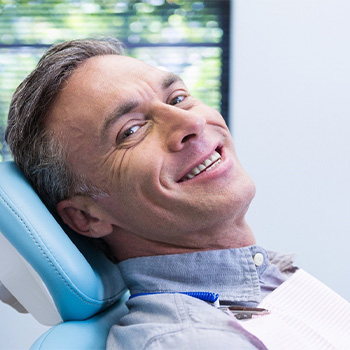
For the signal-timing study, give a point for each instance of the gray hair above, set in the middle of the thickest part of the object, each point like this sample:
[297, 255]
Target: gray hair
[36, 150]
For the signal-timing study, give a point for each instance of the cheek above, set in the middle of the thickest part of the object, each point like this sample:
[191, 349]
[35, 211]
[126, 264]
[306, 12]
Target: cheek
[131, 177]
[134, 175]
[131, 205]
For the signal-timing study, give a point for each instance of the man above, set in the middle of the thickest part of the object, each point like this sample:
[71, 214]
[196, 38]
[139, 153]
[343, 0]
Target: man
[125, 154]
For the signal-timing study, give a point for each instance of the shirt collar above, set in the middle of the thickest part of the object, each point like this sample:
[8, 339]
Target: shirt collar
[231, 273]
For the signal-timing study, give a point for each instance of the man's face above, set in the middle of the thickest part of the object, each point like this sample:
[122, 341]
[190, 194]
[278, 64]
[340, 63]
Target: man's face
[166, 160]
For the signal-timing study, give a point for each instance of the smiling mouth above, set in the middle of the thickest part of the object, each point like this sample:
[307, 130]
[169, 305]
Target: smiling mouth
[206, 165]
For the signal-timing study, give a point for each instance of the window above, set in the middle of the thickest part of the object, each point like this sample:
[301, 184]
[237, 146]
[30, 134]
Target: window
[188, 37]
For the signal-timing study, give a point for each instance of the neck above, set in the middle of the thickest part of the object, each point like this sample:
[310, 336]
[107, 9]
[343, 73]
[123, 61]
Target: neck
[126, 245]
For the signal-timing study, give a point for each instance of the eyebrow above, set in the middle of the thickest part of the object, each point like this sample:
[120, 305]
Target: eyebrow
[128, 106]
[170, 79]
[125, 108]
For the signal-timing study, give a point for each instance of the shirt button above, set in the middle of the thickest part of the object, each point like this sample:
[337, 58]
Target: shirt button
[258, 259]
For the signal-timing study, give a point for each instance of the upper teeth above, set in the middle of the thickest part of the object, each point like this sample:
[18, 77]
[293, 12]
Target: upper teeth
[206, 165]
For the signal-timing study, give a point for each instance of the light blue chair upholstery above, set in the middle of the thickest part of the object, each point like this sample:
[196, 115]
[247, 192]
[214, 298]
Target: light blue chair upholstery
[63, 279]
[90, 334]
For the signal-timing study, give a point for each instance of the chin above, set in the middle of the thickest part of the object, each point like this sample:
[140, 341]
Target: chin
[241, 197]
[251, 190]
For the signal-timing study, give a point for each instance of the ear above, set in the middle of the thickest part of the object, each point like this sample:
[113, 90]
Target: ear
[82, 216]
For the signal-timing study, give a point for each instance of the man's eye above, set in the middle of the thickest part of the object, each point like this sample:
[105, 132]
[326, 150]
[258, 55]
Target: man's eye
[177, 100]
[130, 131]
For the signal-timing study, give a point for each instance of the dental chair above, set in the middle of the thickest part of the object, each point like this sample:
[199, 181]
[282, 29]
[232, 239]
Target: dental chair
[54, 274]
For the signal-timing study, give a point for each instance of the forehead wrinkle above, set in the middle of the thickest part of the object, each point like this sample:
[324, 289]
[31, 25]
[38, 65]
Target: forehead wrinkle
[116, 114]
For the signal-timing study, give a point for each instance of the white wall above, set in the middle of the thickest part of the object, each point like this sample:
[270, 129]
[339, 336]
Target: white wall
[18, 331]
[291, 122]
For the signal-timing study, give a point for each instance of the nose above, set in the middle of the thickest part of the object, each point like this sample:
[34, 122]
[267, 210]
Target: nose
[180, 127]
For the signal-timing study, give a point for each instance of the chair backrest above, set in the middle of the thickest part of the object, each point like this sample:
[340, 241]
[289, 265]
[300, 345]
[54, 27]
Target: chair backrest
[53, 273]
[90, 334]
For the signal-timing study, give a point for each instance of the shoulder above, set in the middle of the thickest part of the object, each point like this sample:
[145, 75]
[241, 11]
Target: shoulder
[175, 321]
[201, 338]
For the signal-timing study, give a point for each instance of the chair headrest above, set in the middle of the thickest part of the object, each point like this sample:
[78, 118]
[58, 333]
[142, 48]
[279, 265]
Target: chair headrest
[80, 279]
